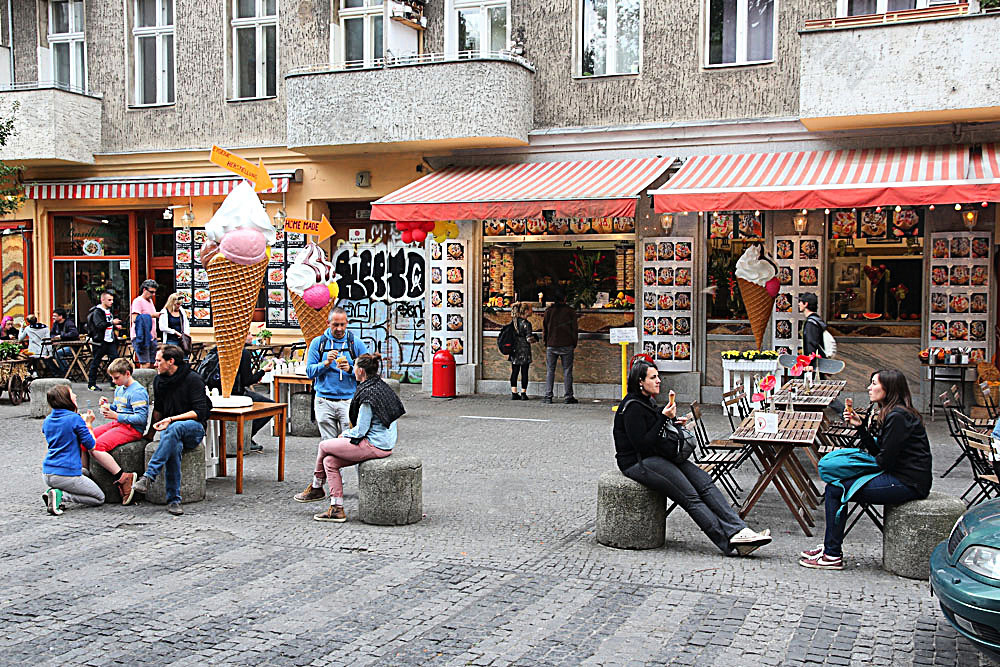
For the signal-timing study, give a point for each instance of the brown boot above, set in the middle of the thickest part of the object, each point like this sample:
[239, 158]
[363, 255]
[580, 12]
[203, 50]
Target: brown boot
[125, 483]
[334, 513]
[310, 495]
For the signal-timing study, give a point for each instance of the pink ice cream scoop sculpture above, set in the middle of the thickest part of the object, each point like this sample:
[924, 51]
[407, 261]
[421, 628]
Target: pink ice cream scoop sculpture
[773, 286]
[244, 246]
[316, 296]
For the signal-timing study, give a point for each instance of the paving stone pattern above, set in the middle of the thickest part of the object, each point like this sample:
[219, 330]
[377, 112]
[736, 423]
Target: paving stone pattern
[503, 570]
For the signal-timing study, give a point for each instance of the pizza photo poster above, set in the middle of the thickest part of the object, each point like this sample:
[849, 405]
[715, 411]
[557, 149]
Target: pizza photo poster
[667, 301]
[190, 277]
[449, 298]
[799, 268]
[959, 289]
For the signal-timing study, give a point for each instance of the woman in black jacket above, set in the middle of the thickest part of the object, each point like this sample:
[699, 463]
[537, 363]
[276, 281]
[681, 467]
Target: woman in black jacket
[648, 458]
[520, 358]
[895, 436]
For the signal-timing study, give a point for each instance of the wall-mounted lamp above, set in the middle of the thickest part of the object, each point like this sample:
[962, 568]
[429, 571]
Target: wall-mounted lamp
[969, 218]
[667, 223]
[279, 218]
[799, 221]
[188, 218]
[168, 214]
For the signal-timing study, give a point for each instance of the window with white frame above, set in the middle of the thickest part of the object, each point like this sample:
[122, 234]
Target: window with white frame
[68, 50]
[153, 45]
[255, 48]
[361, 32]
[610, 37]
[863, 7]
[481, 27]
[740, 32]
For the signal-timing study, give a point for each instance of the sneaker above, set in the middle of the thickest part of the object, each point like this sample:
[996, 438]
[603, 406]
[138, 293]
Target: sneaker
[747, 541]
[175, 509]
[126, 486]
[254, 448]
[334, 513]
[524, 396]
[53, 501]
[812, 553]
[823, 562]
[310, 495]
[141, 485]
[570, 401]
[93, 387]
[546, 400]
[514, 396]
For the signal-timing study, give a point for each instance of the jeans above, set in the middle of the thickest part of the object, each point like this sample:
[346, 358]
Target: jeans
[552, 354]
[100, 350]
[693, 489]
[76, 489]
[145, 354]
[882, 490]
[258, 424]
[332, 416]
[186, 434]
[523, 370]
[58, 362]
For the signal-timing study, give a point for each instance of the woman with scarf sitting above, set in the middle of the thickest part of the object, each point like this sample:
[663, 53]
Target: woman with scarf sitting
[374, 411]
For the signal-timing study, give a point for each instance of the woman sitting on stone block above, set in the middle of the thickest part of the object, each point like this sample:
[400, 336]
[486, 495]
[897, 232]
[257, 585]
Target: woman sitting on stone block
[374, 411]
[66, 432]
[645, 455]
[900, 470]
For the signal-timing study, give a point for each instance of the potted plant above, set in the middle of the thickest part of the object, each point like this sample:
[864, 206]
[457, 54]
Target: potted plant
[264, 337]
[9, 350]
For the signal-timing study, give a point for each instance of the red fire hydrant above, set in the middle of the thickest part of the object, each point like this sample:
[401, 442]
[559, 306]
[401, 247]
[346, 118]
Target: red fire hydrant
[443, 380]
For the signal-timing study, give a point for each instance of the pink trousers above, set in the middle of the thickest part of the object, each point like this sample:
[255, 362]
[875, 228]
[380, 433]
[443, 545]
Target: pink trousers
[339, 453]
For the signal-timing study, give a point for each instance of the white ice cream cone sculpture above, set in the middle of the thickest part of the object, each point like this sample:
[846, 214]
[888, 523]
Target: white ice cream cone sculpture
[758, 283]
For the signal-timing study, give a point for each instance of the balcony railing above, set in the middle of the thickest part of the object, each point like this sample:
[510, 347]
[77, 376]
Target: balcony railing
[45, 85]
[901, 16]
[410, 60]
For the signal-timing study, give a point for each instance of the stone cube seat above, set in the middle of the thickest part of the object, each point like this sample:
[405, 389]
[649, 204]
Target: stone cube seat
[192, 476]
[39, 388]
[629, 515]
[131, 456]
[301, 420]
[390, 490]
[913, 529]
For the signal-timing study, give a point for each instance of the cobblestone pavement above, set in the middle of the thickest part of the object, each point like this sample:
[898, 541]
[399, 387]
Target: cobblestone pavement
[504, 569]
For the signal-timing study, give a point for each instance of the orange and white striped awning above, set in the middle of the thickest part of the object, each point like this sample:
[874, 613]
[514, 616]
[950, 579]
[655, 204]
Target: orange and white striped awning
[835, 179]
[145, 188]
[584, 188]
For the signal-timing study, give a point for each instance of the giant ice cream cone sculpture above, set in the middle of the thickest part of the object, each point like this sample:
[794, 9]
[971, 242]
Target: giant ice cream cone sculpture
[240, 234]
[313, 289]
[757, 278]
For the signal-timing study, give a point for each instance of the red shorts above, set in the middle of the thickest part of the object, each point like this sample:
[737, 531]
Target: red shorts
[112, 434]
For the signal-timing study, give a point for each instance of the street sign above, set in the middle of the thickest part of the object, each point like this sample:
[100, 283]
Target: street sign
[624, 335]
[356, 234]
[255, 173]
[321, 228]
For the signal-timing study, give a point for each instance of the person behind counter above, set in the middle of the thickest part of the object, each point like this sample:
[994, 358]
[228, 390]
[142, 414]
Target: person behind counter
[560, 332]
[899, 472]
[520, 358]
[644, 455]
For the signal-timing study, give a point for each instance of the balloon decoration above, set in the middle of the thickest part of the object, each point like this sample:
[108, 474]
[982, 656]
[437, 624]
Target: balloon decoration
[415, 232]
[444, 229]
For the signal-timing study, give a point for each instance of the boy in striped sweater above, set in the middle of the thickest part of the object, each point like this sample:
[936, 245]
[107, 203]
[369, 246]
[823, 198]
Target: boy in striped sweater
[128, 417]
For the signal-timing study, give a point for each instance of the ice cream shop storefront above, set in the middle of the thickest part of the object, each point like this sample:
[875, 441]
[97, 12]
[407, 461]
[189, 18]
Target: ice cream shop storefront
[898, 245]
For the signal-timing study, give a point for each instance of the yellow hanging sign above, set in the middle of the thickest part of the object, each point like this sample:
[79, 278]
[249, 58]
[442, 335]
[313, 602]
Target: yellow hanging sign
[255, 173]
[321, 228]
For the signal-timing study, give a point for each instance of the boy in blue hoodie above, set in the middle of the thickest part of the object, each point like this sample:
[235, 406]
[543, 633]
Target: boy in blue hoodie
[330, 365]
[66, 432]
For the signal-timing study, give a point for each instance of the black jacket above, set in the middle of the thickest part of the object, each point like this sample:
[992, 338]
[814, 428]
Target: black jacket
[66, 330]
[98, 324]
[246, 378]
[902, 449]
[637, 430]
[559, 326]
[812, 335]
[178, 393]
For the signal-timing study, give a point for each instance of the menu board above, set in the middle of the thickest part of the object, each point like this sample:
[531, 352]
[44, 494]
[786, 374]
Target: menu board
[959, 288]
[190, 277]
[799, 269]
[667, 301]
[557, 226]
[280, 312]
[449, 298]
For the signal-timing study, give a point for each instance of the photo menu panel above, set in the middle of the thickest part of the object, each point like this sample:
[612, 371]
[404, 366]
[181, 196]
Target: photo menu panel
[668, 301]
[799, 269]
[959, 292]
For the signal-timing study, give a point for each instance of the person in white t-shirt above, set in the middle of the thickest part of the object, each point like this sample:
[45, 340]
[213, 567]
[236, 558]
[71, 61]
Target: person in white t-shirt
[102, 326]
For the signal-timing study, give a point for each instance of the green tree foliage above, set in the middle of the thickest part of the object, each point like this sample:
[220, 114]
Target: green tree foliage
[11, 192]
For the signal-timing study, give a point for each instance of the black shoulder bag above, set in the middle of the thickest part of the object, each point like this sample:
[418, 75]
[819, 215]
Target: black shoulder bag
[676, 442]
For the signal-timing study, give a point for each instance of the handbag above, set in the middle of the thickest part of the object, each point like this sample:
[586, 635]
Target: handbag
[674, 435]
[185, 343]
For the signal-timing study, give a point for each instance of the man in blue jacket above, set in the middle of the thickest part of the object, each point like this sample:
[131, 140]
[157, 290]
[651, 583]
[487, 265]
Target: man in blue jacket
[330, 365]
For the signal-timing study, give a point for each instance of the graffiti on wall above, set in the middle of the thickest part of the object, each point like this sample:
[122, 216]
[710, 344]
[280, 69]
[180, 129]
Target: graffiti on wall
[382, 289]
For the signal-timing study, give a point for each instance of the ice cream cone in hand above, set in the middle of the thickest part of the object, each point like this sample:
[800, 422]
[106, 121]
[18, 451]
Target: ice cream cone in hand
[313, 289]
[757, 278]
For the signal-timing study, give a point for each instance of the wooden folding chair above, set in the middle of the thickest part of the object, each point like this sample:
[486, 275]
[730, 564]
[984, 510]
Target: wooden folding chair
[984, 471]
[991, 406]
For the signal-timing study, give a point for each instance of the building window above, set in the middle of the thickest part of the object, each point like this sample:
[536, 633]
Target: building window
[153, 41]
[864, 7]
[610, 37]
[740, 32]
[67, 45]
[255, 48]
[482, 27]
[361, 32]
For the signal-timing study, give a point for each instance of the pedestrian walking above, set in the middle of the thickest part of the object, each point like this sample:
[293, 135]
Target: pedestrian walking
[560, 333]
[127, 416]
[66, 432]
[645, 455]
[898, 464]
[814, 326]
[101, 327]
[374, 410]
[520, 358]
[142, 326]
[330, 365]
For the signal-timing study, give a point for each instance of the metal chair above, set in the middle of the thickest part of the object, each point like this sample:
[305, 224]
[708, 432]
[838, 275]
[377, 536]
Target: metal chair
[984, 469]
[991, 406]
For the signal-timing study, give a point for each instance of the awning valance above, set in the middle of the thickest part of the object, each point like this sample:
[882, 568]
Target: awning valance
[585, 188]
[147, 187]
[834, 179]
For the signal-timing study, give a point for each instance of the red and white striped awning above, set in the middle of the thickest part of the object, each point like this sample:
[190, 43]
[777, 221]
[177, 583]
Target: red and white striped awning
[143, 188]
[835, 179]
[584, 188]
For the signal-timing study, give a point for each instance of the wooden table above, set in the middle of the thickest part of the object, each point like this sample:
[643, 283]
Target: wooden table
[241, 416]
[77, 347]
[287, 379]
[819, 396]
[776, 451]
